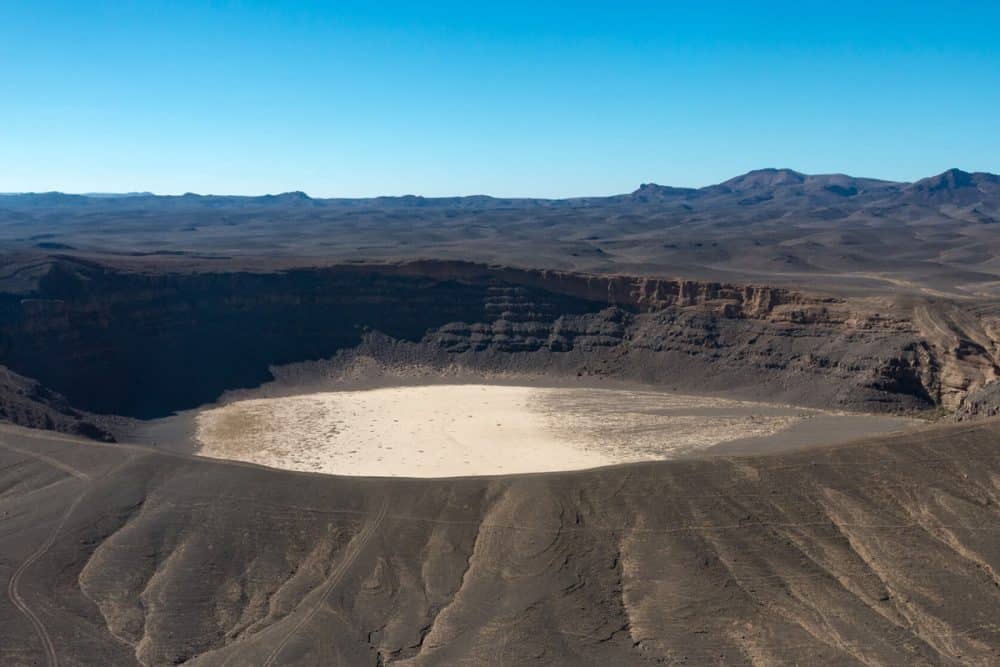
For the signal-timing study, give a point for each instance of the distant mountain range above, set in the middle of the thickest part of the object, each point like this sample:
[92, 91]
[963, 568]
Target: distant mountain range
[758, 186]
[775, 225]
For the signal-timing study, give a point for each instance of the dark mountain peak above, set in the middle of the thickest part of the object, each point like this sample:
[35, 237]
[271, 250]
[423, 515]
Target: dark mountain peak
[956, 187]
[765, 178]
[953, 179]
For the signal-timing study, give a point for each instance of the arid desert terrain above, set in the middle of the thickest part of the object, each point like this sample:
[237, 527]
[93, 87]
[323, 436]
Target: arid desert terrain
[752, 423]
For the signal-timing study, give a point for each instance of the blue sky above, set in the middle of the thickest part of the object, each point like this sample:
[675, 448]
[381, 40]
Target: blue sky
[506, 98]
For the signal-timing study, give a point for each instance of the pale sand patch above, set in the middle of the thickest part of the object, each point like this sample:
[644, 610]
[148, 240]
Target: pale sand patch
[457, 430]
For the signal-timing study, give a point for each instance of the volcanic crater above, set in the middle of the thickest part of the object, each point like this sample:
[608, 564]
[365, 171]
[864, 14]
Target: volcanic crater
[432, 369]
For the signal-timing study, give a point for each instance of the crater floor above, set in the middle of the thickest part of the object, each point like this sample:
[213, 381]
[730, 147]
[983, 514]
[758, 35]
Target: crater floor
[478, 429]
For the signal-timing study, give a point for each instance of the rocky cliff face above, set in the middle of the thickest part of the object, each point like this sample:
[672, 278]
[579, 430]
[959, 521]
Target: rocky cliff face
[143, 345]
[26, 402]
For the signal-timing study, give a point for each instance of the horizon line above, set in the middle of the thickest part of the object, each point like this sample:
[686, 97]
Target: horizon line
[126, 194]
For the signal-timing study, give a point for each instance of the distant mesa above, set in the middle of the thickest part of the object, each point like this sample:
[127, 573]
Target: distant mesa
[295, 196]
[651, 192]
[117, 195]
[45, 198]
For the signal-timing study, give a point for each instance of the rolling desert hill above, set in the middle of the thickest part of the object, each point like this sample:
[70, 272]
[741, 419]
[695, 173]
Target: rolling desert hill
[879, 552]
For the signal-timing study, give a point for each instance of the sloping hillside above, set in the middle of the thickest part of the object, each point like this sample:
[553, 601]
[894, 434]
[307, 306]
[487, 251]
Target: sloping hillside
[877, 553]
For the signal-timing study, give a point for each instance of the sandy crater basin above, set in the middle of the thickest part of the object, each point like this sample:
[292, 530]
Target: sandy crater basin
[479, 429]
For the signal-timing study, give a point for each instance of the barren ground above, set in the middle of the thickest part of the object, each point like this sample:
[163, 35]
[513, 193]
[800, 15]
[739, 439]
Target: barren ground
[478, 429]
[823, 291]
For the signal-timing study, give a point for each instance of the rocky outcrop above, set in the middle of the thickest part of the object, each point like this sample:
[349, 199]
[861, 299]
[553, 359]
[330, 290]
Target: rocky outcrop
[979, 404]
[960, 351]
[26, 402]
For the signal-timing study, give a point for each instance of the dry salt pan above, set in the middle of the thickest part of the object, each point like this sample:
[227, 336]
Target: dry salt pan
[458, 430]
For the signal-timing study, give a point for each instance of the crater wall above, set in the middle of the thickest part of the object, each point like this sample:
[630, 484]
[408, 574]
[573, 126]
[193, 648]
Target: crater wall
[144, 344]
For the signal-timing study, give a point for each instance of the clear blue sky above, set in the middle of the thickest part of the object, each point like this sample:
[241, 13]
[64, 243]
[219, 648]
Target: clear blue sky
[507, 98]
